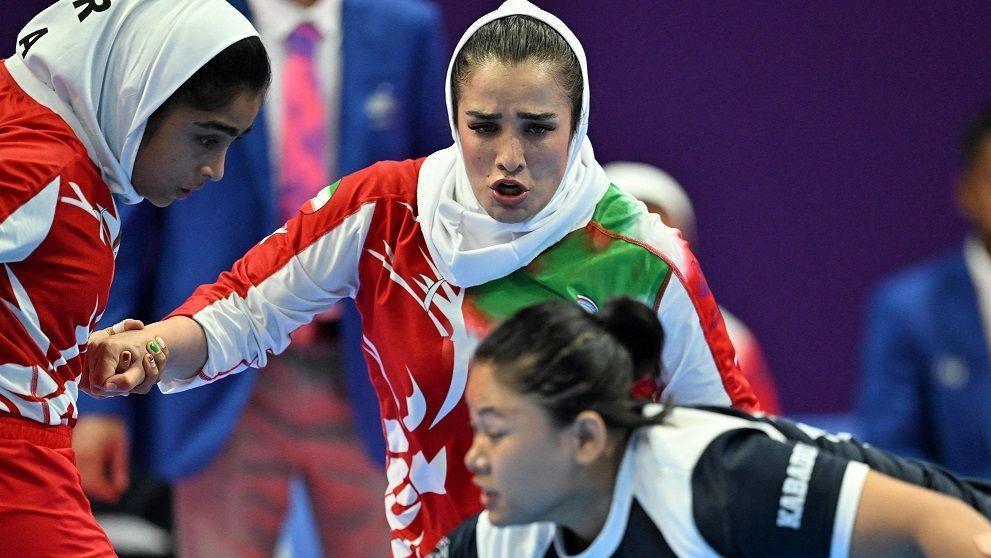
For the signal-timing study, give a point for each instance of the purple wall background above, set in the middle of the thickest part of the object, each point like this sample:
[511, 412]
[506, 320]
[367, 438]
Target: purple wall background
[818, 141]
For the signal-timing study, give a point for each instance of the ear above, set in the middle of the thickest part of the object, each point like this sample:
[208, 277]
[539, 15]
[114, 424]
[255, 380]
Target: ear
[963, 195]
[590, 437]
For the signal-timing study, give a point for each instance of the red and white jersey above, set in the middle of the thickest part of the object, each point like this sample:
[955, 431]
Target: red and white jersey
[58, 237]
[360, 238]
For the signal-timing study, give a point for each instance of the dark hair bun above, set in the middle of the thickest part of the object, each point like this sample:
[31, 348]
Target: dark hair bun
[636, 327]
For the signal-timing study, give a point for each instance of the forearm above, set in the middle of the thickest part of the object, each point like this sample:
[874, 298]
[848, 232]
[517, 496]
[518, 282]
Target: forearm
[949, 529]
[187, 346]
[895, 518]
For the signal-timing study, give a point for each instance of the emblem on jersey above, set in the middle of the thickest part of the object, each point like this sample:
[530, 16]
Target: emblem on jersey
[587, 304]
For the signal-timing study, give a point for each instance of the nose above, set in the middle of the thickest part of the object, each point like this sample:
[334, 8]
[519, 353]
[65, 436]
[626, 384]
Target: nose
[474, 460]
[511, 159]
[213, 169]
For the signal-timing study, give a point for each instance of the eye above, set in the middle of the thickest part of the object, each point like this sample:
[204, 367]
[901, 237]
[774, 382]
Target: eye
[538, 129]
[483, 128]
[208, 141]
[494, 436]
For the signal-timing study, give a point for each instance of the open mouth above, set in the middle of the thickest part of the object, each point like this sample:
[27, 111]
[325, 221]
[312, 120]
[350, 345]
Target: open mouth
[508, 192]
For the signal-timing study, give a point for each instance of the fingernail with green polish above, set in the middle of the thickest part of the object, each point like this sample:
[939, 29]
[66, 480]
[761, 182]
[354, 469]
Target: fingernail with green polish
[153, 347]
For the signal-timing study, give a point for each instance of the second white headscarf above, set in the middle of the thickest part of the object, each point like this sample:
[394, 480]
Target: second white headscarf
[106, 67]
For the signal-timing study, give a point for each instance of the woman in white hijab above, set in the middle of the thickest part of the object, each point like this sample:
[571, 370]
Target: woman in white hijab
[436, 251]
[117, 100]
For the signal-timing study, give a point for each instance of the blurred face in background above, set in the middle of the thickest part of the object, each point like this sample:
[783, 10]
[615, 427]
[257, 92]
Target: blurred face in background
[515, 127]
[974, 192]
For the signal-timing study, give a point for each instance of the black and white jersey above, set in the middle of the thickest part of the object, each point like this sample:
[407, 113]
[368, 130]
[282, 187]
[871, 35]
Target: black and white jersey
[706, 483]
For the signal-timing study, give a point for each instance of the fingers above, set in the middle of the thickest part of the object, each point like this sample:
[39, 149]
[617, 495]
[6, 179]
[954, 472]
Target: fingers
[127, 325]
[154, 364]
[127, 381]
[106, 368]
[139, 379]
[119, 327]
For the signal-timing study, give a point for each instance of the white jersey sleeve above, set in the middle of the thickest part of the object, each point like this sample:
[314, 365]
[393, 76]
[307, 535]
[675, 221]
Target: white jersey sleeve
[297, 272]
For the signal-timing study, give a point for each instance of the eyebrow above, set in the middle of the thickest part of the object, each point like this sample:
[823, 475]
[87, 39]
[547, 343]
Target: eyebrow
[484, 115]
[541, 117]
[225, 128]
[490, 411]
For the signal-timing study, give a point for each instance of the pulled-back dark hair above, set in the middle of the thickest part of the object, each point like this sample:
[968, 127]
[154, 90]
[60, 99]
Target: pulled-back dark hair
[571, 360]
[241, 67]
[977, 134]
[515, 39]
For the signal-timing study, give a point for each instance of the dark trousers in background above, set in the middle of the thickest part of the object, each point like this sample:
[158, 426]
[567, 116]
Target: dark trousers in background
[297, 423]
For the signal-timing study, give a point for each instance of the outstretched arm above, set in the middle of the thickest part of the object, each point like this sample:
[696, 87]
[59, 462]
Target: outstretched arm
[898, 519]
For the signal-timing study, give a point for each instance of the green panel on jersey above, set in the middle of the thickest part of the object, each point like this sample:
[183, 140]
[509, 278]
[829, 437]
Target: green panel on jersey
[586, 263]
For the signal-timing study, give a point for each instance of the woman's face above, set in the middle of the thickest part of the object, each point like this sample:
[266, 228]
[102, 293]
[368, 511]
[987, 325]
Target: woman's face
[515, 125]
[520, 459]
[188, 147]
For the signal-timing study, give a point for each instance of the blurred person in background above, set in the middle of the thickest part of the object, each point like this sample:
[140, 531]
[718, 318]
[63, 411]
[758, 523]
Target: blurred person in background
[354, 81]
[666, 198]
[926, 376]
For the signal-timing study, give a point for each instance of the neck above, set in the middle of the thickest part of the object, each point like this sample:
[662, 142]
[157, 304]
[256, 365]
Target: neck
[585, 516]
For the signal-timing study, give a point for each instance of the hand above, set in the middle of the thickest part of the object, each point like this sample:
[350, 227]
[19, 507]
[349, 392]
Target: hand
[124, 359]
[98, 335]
[102, 450]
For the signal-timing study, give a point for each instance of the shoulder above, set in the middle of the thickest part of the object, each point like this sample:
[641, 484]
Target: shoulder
[383, 180]
[687, 433]
[31, 163]
[397, 14]
[672, 471]
[36, 147]
[622, 217]
[921, 282]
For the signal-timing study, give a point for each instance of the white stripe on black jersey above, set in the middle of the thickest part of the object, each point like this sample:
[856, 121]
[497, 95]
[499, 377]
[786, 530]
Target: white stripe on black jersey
[713, 482]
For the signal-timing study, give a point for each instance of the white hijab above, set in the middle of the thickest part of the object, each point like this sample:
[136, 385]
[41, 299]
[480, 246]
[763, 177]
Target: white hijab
[467, 245]
[105, 75]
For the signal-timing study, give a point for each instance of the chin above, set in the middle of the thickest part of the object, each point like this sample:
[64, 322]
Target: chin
[498, 519]
[504, 215]
[506, 518]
